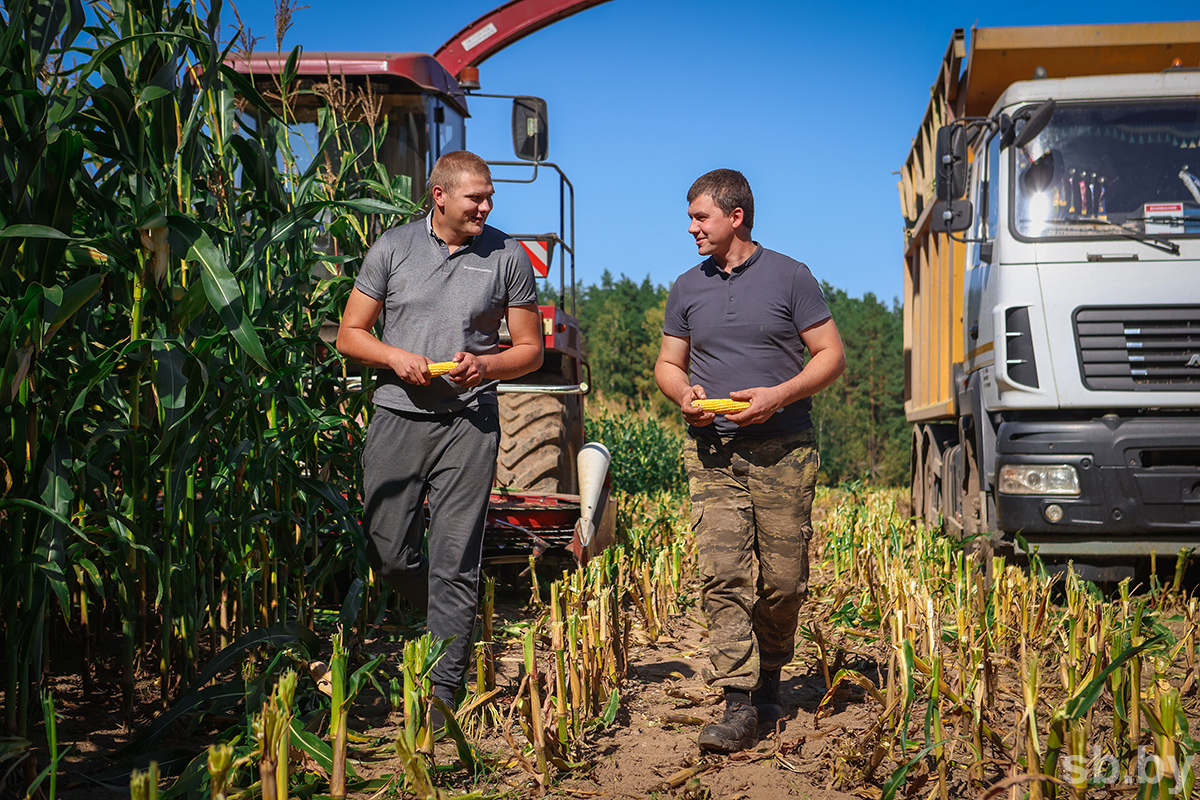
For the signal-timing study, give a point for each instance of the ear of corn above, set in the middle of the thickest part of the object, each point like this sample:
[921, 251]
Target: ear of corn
[441, 367]
[721, 406]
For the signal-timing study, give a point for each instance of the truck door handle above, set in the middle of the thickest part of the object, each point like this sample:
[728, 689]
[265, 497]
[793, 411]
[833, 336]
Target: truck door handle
[1112, 257]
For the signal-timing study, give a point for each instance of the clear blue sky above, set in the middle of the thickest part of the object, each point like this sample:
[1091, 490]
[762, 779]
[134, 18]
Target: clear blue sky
[817, 103]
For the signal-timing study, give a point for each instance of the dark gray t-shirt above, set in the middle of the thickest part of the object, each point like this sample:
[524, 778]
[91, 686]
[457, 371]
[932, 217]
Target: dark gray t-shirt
[744, 328]
[436, 304]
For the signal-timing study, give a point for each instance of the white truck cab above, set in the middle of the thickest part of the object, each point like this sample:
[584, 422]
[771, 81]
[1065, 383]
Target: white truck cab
[1079, 383]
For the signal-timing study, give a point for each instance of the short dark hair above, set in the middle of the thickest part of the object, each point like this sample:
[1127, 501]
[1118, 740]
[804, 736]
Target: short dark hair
[728, 189]
[451, 168]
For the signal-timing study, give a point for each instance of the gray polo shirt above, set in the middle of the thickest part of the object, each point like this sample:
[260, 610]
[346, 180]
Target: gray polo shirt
[436, 304]
[744, 328]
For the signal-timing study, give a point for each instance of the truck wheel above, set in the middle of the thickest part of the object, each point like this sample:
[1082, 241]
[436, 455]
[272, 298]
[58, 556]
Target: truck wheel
[933, 490]
[533, 443]
[916, 486]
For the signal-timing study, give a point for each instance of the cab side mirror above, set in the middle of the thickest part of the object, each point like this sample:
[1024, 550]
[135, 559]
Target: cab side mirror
[951, 215]
[951, 167]
[1037, 119]
[531, 137]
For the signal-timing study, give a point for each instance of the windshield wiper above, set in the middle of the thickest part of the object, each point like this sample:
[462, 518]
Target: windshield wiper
[1129, 233]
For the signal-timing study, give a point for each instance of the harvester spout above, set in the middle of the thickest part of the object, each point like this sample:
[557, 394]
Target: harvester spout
[593, 464]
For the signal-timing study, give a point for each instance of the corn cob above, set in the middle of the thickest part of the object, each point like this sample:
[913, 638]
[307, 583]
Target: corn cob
[721, 405]
[441, 367]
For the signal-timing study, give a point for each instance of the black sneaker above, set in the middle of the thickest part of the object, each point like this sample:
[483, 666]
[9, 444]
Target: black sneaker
[766, 698]
[737, 731]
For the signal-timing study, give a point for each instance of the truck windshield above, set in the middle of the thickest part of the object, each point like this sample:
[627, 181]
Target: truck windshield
[1104, 170]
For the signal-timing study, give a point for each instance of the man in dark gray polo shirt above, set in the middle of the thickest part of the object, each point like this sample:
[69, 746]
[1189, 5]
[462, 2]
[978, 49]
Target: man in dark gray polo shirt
[441, 287]
[737, 326]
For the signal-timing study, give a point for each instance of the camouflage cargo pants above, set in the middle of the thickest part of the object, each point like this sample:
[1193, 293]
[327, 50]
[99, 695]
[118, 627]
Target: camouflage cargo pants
[751, 508]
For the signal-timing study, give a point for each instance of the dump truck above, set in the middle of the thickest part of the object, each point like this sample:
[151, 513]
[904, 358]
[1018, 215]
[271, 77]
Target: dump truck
[1051, 208]
[552, 494]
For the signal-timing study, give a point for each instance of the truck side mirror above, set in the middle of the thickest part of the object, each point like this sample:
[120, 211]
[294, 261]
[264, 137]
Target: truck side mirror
[1038, 119]
[951, 155]
[950, 215]
[531, 136]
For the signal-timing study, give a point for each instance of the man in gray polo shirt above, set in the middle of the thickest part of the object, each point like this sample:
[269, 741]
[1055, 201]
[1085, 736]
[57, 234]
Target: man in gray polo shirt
[737, 326]
[440, 287]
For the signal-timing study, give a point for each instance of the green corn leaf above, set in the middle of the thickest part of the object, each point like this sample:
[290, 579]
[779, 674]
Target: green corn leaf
[189, 306]
[609, 716]
[203, 697]
[10, 502]
[89, 568]
[100, 58]
[73, 298]
[352, 604]
[152, 93]
[245, 87]
[370, 206]
[290, 68]
[317, 749]
[897, 778]
[1079, 705]
[220, 285]
[364, 673]
[34, 232]
[191, 781]
[170, 386]
[217, 699]
[466, 753]
[907, 670]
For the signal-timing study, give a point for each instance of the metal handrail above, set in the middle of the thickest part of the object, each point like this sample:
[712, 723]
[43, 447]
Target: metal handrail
[527, 388]
[564, 183]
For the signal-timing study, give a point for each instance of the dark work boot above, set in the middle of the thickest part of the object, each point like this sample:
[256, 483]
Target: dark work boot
[437, 720]
[736, 731]
[766, 698]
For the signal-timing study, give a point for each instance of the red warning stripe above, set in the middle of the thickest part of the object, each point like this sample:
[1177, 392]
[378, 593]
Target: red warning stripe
[539, 255]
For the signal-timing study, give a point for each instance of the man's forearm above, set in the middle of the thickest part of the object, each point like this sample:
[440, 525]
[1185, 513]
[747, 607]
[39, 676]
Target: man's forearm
[820, 371]
[518, 360]
[362, 346]
[672, 381]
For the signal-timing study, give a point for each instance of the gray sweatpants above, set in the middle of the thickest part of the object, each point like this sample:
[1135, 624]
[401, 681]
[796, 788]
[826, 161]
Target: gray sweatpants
[451, 460]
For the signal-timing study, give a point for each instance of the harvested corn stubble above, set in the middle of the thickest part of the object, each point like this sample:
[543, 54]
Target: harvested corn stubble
[441, 367]
[721, 405]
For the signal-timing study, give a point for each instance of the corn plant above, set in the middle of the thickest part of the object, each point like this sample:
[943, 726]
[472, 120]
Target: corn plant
[272, 732]
[416, 738]
[220, 764]
[178, 447]
[143, 784]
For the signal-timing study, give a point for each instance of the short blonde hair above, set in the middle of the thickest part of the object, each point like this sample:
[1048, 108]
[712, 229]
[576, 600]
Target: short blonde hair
[451, 168]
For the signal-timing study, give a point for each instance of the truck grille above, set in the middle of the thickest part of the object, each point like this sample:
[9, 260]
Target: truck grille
[1139, 348]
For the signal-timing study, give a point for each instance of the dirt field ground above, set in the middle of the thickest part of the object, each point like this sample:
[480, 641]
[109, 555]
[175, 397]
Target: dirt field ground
[823, 749]
[650, 749]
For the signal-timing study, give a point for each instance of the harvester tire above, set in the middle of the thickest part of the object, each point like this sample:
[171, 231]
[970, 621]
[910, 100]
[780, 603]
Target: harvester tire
[533, 443]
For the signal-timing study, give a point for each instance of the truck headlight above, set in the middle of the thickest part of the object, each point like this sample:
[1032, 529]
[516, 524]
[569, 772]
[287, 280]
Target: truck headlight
[1039, 479]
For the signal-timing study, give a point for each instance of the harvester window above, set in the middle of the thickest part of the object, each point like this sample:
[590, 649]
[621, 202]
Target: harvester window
[447, 129]
[401, 142]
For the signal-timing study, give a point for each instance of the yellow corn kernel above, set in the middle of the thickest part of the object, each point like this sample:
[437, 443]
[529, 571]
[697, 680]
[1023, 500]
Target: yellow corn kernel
[441, 367]
[721, 405]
